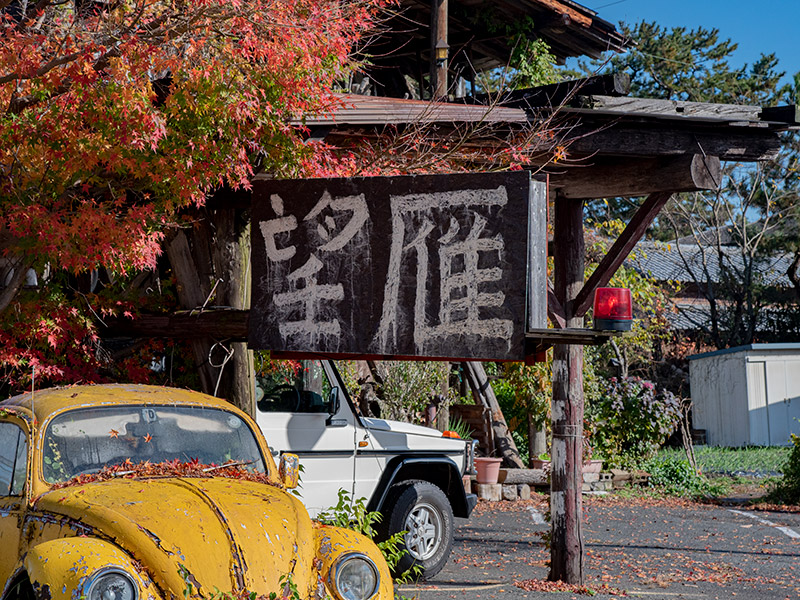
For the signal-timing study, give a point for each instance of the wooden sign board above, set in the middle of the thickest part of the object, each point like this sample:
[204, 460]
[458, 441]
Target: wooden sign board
[430, 266]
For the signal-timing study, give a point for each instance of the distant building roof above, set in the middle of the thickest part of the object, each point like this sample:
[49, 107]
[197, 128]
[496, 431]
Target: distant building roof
[687, 263]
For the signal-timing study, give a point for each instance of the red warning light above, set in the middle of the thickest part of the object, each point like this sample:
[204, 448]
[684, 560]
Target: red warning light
[613, 309]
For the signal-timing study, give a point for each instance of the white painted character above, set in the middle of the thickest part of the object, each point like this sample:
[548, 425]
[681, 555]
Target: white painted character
[309, 307]
[308, 296]
[468, 260]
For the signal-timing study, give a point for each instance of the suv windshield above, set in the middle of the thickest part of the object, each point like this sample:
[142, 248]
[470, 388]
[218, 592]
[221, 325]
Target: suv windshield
[87, 439]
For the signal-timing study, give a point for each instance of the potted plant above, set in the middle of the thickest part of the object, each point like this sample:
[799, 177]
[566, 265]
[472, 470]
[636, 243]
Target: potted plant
[488, 469]
[542, 461]
[590, 465]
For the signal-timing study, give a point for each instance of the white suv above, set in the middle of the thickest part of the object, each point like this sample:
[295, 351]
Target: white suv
[411, 474]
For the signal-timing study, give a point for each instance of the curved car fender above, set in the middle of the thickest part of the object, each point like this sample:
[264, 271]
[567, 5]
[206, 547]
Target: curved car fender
[62, 569]
[455, 491]
[332, 542]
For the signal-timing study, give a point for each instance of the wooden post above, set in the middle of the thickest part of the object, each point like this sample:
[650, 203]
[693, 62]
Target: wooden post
[443, 410]
[566, 479]
[438, 41]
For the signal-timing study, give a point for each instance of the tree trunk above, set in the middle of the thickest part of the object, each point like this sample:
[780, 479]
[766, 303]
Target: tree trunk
[443, 409]
[9, 292]
[191, 295]
[215, 268]
[566, 452]
[368, 403]
[537, 439]
[231, 260]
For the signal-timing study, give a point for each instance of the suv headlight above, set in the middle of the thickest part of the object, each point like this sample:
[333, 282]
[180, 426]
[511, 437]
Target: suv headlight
[111, 584]
[355, 577]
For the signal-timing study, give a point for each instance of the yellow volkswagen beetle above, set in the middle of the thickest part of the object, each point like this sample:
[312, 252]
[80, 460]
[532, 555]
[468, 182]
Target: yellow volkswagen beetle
[128, 492]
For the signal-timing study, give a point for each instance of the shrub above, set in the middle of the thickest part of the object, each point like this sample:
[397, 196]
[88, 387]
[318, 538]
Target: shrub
[788, 489]
[353, 514]
[409, 386]
[630, 419]
[676, 477]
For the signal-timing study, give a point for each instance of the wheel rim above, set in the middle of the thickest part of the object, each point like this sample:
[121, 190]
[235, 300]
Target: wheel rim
[424, 525]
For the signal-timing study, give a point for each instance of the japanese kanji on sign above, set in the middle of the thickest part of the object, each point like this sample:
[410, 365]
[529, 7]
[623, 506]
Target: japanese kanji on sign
[414, 266]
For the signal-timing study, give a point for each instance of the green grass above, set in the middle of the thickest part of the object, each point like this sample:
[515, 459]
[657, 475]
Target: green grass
[753, 460]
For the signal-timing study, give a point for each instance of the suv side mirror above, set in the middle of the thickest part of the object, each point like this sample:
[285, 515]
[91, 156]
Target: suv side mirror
[289, 470]
[333, 401]
[333, 409]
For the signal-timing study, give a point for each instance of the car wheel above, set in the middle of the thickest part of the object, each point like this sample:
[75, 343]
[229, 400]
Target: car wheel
[422, 510]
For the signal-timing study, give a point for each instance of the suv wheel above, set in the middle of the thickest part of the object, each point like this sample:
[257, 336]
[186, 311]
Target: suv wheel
[421, 509]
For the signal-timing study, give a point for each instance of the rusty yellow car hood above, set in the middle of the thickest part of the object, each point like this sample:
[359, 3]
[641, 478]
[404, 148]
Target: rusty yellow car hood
[215, 533]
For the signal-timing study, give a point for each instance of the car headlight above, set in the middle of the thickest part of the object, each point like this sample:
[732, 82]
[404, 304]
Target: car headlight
[111, 584]
[355, 577]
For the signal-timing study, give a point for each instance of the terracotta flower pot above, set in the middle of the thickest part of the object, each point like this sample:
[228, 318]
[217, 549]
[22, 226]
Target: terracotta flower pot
[488, 469]
[592, 466]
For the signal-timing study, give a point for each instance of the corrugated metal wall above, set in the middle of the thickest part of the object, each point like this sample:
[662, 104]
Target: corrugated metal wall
[747, 397]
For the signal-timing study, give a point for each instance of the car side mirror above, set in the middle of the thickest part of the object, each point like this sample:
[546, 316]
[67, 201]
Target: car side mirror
[289, 470]
[333, 401]
[333, 409]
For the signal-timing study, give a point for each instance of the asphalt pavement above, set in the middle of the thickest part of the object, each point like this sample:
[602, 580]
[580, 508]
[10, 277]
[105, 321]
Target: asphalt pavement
[636, 547]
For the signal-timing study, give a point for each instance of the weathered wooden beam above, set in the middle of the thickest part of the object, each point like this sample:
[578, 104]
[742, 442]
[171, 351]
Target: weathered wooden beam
[528, 476]
[219, 324]
[782, 114]
[656, 107]
[604, 178]
[620, 249]
[555, 94]
[566, 478]
[598, 138]
[438, 41]
[555, 310]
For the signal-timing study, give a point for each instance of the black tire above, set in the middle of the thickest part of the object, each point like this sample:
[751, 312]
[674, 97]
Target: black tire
[421, 509]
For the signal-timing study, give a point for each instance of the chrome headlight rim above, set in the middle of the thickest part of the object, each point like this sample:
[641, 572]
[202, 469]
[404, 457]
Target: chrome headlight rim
[97, 575]
[345, 558]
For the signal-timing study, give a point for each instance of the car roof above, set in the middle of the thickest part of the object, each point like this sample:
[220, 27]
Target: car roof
[47, 401]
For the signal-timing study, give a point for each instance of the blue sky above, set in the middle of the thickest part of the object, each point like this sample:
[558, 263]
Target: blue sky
[758, 27]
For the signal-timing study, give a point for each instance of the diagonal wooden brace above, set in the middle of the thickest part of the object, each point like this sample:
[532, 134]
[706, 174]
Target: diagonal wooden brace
[555, 310]
[619, 250]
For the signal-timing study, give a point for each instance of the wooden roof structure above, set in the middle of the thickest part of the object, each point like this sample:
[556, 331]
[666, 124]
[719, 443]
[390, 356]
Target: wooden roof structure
[480, 35]
[480, 27]
[621, 147]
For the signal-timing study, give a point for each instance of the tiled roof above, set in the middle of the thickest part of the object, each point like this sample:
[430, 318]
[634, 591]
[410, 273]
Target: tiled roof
[687, 263]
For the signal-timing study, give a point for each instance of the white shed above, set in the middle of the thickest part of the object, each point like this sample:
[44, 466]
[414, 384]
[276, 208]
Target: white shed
[748, 395]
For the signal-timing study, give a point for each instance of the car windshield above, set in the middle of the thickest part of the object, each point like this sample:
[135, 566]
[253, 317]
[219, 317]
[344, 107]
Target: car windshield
[85, 440]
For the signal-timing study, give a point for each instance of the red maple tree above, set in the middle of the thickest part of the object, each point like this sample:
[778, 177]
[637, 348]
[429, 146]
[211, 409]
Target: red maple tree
[118, 113]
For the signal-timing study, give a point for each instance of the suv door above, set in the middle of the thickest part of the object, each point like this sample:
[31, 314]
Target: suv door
[296, 412]
[13, 471]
